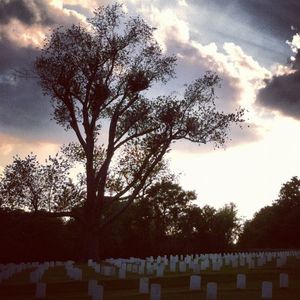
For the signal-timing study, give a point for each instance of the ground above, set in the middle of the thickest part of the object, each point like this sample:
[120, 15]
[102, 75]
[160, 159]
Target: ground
[174, 286]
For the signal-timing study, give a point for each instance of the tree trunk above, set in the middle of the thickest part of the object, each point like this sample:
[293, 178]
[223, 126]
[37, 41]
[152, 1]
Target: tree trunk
[90, 243]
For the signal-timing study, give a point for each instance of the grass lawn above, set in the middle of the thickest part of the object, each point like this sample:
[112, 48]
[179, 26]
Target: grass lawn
[174, 285]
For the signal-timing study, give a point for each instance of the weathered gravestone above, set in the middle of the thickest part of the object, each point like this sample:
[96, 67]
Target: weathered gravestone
[155, 291]
[211, 291]
[182, 267]
[283, 280]
[40, 290]
[195, 282]
[241, 281]
[144, 285]
[97, 293]
[122, 273]
[266, 290]
[91, 286]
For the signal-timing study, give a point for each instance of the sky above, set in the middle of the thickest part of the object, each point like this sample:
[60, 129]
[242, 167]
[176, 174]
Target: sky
[252, 45]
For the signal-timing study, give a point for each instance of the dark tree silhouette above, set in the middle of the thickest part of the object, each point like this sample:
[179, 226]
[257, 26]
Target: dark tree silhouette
[97, 78]
[277, 225]
[29, 185]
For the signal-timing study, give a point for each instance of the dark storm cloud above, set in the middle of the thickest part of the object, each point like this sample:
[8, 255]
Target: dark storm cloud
[22, 104]
[24, 110]
[32, 12]
[27, 11]
[282, 93]
[13, 56]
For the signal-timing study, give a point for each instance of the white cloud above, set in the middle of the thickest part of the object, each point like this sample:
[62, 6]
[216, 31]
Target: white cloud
[295, 43]
[23, 35]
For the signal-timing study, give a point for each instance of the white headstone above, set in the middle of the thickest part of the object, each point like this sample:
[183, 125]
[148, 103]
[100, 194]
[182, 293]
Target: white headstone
[196, 268]
[216, 266]
[251, 264]
[235, 263]
[182, 267]
[172, 266]
[40, 290]
[77, 273]
[266, 290]
[122, 273]
[155, 291]
[160, 270]
[211, 291]
[97, 293]
[195, 282]
[241, 281]
[134, 268]
[34, 277]
[141, 269]
[144, 285]
[283, 280]
[97, 268]
[91, 285]
[129, 267]
[242, 261]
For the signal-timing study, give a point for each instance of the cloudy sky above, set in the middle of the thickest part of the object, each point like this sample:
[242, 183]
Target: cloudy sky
[251, 44]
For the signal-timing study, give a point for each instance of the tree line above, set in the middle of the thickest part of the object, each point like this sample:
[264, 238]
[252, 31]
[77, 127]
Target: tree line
[163, 220]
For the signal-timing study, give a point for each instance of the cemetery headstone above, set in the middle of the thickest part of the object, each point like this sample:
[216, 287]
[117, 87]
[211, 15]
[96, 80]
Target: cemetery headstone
[266, 290]
[155, 291]
[283, 280]
[144, 285]
[40, 290]
[211, 291]
[195, 282]
[91, 286]
[97, 293]
[241, 281]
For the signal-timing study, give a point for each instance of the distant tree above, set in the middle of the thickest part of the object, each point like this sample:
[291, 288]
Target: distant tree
[208, 229]
[226, 227]
[152, 222]
[97, 78]
[278, 225]
[289, 195]
[28, 185]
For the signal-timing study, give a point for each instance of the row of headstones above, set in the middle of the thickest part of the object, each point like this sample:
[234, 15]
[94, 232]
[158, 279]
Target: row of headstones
[216, 262]
[195, 263]
[211, 290]
[8, 270]
[96, 291]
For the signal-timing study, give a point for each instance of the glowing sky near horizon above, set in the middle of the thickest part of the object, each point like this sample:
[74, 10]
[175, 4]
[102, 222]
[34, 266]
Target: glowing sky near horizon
[243, 41]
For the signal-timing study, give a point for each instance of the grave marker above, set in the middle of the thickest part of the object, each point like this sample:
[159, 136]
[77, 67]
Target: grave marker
[40, 290]
[266, 290]
[241, 281]
[283, 280]
[144, 285]
[97, 293]
[155, 291]
[91, 286]
[195, 282]
[211, 291]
